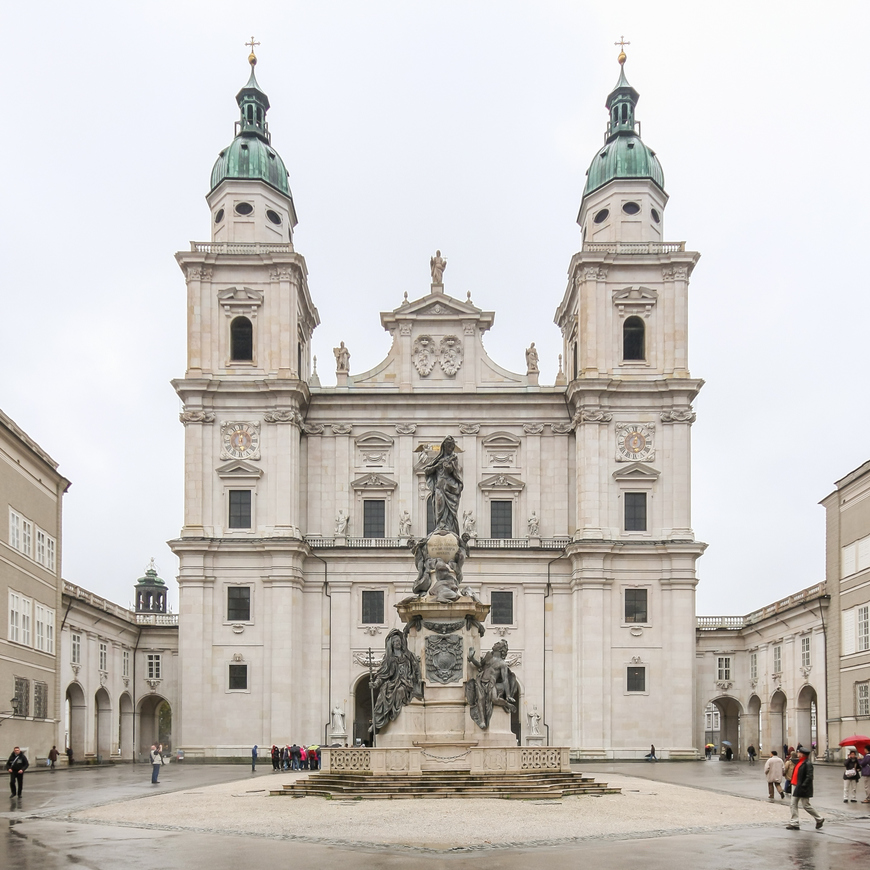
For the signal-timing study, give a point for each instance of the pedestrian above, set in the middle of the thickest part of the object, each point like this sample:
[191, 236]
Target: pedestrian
[865, 775]
[294, 757]
[254, 759]
[69, 756]
[303, 757]
[773, 771]
[285, 758]
[850, 778]
[156, 763]
[802, 791]
[52, 758]
[16, 764]
[652, 754]
[750, 751]
[276, 757]
[788, 770]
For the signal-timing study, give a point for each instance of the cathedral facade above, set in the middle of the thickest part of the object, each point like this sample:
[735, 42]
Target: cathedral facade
[302, 501]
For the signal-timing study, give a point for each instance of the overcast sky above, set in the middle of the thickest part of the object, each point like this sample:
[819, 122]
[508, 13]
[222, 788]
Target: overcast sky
[466, 126]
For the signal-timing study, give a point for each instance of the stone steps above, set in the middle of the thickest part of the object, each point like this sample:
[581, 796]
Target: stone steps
[445, 784]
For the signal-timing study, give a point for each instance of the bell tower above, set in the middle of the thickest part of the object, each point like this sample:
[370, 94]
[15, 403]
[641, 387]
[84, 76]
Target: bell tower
[250, 319]
[624, 322]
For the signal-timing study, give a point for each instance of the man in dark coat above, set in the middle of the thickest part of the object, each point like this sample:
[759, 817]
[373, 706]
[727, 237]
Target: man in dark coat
[16, 764]
[802, 791]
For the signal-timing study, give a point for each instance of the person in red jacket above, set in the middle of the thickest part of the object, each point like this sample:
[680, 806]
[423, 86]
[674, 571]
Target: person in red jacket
[802, 791]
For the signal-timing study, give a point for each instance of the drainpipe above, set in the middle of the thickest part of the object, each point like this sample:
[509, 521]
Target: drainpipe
[825, 636]
[329, 666]
[544, 640]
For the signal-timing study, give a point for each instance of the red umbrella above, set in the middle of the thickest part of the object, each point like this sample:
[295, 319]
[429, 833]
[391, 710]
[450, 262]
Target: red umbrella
[856, 740]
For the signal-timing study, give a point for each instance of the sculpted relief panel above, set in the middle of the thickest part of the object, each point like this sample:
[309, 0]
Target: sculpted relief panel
[447, 354]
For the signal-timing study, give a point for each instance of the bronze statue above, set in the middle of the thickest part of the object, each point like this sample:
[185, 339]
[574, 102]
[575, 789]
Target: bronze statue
[398, 680]
[493, 685]
[445, 484]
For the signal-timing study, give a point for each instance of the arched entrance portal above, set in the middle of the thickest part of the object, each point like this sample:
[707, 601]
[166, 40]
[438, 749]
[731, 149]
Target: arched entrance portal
[752, 724]
[102, 725]
[75, 720]
[778, 721]
[155, 724]
[805, 717]
[125, 727]
[730, 712]
[362, 712]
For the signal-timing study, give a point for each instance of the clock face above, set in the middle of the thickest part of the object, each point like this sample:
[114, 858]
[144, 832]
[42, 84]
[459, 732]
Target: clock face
[240, 441]
[634, 441]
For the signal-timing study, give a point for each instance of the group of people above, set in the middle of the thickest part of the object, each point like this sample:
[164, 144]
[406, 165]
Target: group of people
[856, 769]
[293, 757]
[797, 773]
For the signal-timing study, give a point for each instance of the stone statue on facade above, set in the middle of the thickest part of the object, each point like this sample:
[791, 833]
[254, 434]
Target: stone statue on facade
[469, 525]
[341, 524]
[405, 525]
[342, 359]
[338, 720]
[494, 684]
[445, 485]
[532, 359]
[534, 523]
[398, 680]
[534, 722]
[437, 265]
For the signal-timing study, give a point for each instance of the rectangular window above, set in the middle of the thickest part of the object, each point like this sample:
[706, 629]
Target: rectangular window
[238, 604]
[14, 617]
[753, 666]
[22, 694]
[501, 521]
[40, 546]
[50, 554]
[27, 538]
[636, 679]
[635, 511]
[40, 701]
[76, 649]
[373, 607]
[777, 659]
[238, 678]
[806, 658]
[374, 518]
[502, 610]
[26, 606]
[724, 668]
[44, 624]
[863, 633]
[14, 530]
[153, 666]
[104, 657]
[862, 707]
[240, 509]
[126, 664]
[40, 627]
[636, 605]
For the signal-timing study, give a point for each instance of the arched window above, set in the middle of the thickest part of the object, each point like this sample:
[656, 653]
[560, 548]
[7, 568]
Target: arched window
[241, 340]
[633, 344]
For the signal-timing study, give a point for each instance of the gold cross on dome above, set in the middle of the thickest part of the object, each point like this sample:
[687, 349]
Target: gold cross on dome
[622, 43]
[252, 44]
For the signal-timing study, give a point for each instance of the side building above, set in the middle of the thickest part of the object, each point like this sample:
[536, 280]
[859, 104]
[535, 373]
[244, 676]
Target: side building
[847, 569]
[31, 492]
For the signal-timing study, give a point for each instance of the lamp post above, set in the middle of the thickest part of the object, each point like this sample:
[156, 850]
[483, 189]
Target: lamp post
[9, 714]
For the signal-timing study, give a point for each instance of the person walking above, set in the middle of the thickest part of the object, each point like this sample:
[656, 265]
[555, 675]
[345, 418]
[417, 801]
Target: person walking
[254, 759]
[850, 778]
[303, 757]
[52, 758]
[865, 775]
[802, 791]
[69, 756]
[16, 764]
[750, 751]
[652, 754]
[276, 757]
[773, 771]
[788, 770]
[294, 757]
[156, 763]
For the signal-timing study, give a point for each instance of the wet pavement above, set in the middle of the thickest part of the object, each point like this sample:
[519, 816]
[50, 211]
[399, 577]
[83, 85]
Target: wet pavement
[37, 832]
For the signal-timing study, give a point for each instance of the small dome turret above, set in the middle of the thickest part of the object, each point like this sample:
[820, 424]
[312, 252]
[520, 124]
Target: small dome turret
[150, 592]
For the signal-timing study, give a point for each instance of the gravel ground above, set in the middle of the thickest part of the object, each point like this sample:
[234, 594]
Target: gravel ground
[643, 809]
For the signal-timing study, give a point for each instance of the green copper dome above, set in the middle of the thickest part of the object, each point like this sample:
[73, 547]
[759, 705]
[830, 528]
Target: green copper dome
[624, 154]
[250, 154]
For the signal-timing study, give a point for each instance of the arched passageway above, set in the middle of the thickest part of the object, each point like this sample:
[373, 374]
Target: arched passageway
[103, 737]
[806, 720]
[75, 711]
[730, 712]
[125, 727]
[777, 721]
[362, 712]
[752, 732]
[155, 724]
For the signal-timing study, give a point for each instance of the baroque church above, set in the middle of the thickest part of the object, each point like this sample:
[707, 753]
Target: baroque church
[302, 501]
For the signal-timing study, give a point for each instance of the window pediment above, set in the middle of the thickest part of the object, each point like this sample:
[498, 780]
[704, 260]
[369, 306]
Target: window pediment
[637, 471]
[635, 300]
[239, 470]
[502, 483]
[240, 300]
[374, 483]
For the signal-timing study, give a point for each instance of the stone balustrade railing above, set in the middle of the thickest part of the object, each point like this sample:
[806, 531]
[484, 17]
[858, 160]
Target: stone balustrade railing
[317, 542]
[241, 247]
[125, 613]
[635, 247]
[811, 593]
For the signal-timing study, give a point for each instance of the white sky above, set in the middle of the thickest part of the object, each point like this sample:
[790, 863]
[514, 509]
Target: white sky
[465, 126]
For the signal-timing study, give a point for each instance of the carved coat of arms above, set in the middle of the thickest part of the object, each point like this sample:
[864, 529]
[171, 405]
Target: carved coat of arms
[444, 658]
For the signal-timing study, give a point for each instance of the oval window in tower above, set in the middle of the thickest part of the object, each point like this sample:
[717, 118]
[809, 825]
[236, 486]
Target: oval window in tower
[274, 217]
[219, 216]
[631, 208]
[656, 216]
[244, 208]
[601, 216]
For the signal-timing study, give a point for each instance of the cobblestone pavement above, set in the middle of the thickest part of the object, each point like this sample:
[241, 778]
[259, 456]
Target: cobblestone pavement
[219, 816]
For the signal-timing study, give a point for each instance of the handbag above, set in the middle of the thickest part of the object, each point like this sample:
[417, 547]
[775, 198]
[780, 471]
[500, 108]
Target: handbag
[851, 773]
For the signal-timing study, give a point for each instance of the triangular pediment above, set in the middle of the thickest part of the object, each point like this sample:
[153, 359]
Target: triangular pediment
[241, 295]
[374, 481]
[437, 308]
[502, 482]
[636, 471]
[635, 294]
[240, 469]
